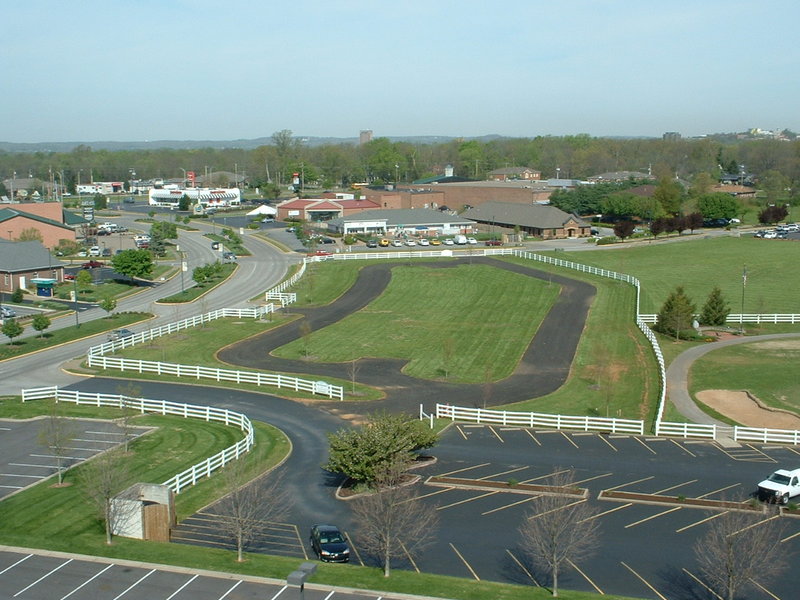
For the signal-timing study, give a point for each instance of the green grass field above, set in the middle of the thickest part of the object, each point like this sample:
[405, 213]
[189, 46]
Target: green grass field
[766, 369]
[698, 265]
[444, 321]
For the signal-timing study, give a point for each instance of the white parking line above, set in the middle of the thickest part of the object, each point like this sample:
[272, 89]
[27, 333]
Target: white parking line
[28, 476]
[21, 560]
[135, 583]
[586, 577]
[172, 595]
[29, 465]
[465, 469]
[45, 576]
[629, 483]
[655, 516]
[708, 589]
[88, 581]
[233, 587]
[642, 579]
[280, 591]
[521, 566]
[11, 487]
[503, 473]
[466, 564]
[682, 529]
[513, 504]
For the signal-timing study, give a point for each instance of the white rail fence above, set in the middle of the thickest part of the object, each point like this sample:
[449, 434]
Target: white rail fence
[744, 318]
[193, 474]
[525, 419]
[97, 357]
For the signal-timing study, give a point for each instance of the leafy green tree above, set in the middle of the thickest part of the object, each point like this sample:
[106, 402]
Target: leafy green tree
[84, 278]
[133, 263]
[40, 323]
[715, 311]
[381, 442]
[701, 184]
[620, 204]
[774, 185]
[100, 202]
[669, 194]
[12, 329]
[108, 305]
[717, 205]
[676, 314]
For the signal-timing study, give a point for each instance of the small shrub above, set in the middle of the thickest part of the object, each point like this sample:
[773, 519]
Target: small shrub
[681, 498]
[513, 482]
[604, 241]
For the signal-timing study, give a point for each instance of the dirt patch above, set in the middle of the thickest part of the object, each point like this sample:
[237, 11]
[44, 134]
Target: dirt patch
[745, 409]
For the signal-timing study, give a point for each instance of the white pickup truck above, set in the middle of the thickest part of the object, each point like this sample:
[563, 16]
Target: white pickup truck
[780, 486]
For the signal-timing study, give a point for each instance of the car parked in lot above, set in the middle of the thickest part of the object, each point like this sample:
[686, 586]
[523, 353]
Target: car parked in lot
[472, 241]
[449, 242]
[329, 544]
[424, 242]
[383, 243]
[372, 243]
[397, 243]
[436, 242]
[493, 243]
[411, 243]
[92, 264]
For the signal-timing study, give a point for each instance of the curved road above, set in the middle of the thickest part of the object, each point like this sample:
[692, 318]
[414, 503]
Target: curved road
[544, 366]
[678, 375]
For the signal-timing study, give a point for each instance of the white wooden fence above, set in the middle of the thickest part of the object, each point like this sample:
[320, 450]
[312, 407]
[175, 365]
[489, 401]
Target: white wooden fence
[193, 474]
[745, 318]
[525, 419]
[97, 357]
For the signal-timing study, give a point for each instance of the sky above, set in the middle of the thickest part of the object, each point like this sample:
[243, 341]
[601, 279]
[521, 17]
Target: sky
[145, 70]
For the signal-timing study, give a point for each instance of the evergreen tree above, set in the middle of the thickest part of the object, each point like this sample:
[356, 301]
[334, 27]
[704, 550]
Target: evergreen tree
[715, 310]
[676, 314]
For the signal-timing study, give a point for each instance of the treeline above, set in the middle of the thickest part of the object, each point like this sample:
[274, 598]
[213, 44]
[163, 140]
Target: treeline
[383, 161]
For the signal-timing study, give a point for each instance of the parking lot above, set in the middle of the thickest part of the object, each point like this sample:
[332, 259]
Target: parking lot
[57, 576]
[25, 461]
[645, 550]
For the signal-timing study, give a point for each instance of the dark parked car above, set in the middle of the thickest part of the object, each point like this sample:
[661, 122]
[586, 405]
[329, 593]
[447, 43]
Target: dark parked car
[372, 244]
[327, 240]
[493, 243]
[92, 264]
[329, 544]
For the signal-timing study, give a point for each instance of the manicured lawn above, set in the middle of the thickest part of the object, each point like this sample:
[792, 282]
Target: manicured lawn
[614, 370]
[199, 346]
[69, 334]
[446, 322]
[701, 264]
[60, 518]
[766, 369]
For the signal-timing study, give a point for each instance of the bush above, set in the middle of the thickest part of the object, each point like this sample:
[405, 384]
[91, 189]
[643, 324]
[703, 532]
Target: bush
[609, 239]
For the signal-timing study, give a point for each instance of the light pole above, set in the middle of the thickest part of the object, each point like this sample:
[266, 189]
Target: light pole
[741, 316]
[178, 248]
[75, 293]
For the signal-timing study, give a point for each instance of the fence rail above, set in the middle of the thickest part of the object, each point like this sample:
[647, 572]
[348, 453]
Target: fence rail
[686, 430]
[775, 436]
[524, 419]
[744, 318]
[193, 474]
[96, 357]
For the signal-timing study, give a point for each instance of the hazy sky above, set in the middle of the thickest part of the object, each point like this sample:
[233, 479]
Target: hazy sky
[95, 70]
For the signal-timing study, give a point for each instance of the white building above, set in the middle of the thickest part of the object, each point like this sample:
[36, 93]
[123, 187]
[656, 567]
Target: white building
[206, 197]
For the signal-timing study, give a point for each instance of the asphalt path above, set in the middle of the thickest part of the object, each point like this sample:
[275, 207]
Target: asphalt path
[544, 366]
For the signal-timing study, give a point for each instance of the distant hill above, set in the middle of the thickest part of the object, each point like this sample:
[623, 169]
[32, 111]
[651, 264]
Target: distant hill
[195, 144]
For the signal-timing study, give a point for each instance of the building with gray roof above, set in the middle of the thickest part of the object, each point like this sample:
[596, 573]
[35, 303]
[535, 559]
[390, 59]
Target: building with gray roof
[539, 220]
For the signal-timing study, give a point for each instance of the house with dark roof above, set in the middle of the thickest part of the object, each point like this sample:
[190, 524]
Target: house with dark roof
[509, 173]
[618, 176]
[26, 264]
[421, 222]
[538, 220]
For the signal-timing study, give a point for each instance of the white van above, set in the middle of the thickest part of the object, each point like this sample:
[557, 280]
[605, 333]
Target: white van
[460, 240]
[94, 251]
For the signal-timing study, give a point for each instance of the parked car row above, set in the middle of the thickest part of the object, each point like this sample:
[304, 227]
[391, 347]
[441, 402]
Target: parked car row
[781, 232]
[410, 242]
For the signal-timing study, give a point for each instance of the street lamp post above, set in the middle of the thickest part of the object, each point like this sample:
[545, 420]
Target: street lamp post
[741, 316]
[75, 293]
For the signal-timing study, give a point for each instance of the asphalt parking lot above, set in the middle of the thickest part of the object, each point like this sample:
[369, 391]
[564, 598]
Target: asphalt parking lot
[25, 461]
[57, 576]
[645, 550]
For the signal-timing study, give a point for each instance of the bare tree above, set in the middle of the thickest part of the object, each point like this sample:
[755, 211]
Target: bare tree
[353, 367]
[103, 477]
[561, 528]
[738, 549]
[250, 505]
[56, 434]
[393, 520]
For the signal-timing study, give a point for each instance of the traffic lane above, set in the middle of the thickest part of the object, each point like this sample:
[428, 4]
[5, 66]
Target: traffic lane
[57, 575]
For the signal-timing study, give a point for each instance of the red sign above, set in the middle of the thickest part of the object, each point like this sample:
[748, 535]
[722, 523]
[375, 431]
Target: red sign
[190, 175]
